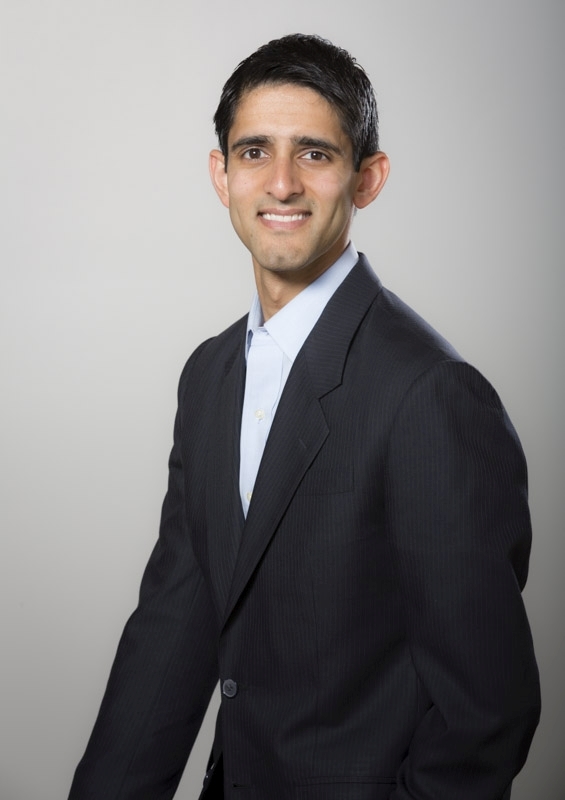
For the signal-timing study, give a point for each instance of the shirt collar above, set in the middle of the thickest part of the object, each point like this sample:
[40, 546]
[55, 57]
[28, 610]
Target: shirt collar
[290, 326]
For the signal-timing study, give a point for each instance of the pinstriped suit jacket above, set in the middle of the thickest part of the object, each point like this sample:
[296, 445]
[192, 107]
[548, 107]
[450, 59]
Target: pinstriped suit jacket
[365, 620]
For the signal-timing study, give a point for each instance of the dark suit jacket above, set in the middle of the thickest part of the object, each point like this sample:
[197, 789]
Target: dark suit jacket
[365, 621]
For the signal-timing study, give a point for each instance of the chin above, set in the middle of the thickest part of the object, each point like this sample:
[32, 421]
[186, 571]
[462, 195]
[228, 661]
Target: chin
[284, 266]
[278, 262]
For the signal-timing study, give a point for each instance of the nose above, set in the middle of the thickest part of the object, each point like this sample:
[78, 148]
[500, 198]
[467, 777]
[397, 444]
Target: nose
[283, 179]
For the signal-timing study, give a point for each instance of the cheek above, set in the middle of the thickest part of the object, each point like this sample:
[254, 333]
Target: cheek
[334, 193]
[241, 213]
[237, 220]
[241, 188]
[237, 202]
[339, 206]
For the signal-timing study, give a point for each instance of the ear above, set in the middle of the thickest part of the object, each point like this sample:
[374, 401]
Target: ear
[371, 178]
[219, 176]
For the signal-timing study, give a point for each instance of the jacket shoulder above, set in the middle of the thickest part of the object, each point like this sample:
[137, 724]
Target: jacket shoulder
[407, 333]
[216, 352]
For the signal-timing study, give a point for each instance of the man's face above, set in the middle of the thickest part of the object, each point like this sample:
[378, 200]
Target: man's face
[290, 183]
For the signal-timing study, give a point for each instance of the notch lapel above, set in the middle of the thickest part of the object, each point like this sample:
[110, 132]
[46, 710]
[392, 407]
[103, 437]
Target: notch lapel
[300, 428]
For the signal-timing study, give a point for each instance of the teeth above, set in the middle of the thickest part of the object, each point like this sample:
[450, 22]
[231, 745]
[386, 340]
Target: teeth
[284, 217]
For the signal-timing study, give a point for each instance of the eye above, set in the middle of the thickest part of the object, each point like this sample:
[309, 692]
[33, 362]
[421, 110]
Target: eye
[254, 153]
[315, 155]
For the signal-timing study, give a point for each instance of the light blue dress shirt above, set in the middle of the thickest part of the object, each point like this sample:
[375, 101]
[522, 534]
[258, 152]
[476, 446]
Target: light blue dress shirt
[271, 349]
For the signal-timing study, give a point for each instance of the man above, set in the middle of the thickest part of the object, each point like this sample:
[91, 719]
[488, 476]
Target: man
[345, 533]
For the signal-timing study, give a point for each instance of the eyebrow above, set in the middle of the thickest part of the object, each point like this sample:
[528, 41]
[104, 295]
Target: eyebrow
[251, 141]
[297, 141]
[318, 144]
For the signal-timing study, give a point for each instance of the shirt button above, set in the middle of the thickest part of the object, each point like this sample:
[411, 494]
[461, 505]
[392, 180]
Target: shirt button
[248, 496]
[260, 414]
[229, 688]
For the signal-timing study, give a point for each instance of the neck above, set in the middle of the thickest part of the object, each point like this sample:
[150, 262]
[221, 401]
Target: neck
[276, 290]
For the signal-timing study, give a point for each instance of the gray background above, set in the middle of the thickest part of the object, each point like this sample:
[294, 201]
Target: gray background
[117, 259]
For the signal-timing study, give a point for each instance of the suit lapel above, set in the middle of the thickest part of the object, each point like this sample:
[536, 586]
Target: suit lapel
[298, 431]
[300, 427]
[223, 506]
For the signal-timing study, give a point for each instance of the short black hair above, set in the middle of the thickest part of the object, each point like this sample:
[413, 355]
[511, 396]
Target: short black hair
[307, 60]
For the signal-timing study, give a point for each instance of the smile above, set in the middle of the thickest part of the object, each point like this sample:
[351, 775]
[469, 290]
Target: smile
[269, 217]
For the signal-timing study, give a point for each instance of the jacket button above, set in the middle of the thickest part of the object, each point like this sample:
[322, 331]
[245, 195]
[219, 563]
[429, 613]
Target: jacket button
[229, 688]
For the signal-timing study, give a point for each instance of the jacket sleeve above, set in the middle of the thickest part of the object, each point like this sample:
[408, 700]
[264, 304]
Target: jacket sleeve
[164, 671]
[459, 525]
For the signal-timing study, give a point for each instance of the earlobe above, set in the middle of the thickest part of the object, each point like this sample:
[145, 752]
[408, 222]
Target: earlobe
[219, 176]
[372, 176]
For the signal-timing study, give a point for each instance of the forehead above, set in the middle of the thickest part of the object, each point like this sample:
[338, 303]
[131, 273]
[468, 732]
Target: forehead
[286, 110]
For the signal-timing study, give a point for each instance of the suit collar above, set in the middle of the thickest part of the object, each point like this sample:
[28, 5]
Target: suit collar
[326, 348]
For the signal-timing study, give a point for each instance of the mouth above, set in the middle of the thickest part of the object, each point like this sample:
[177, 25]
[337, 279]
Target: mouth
[284, 220]
[272, 217]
